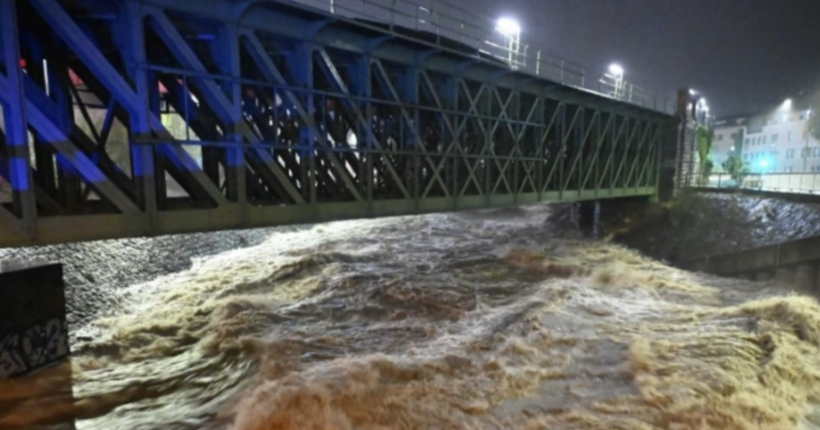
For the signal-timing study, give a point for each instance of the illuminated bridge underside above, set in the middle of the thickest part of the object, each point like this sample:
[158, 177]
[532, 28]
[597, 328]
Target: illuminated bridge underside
[130, 118]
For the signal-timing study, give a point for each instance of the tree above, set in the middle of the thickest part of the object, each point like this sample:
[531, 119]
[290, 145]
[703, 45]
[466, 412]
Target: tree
[737, 169]
[708, 168]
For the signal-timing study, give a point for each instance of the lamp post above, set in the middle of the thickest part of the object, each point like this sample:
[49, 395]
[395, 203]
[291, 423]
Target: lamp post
[512, 30]
[702, 110]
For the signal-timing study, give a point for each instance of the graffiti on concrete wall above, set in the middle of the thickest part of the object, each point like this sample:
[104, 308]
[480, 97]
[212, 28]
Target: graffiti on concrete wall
[33, 348]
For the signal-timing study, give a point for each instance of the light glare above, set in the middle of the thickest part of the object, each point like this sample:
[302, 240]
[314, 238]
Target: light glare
[616, 69]
[508, 26]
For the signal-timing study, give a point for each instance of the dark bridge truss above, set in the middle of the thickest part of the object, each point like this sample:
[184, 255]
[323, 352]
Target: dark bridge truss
[126, 117]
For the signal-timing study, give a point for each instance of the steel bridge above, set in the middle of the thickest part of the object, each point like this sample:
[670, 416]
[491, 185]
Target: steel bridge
[130, 118]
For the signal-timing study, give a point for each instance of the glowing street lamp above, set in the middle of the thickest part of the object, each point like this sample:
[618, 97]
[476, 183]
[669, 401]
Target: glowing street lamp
[787, 104]
[510, 28]
[617, 73]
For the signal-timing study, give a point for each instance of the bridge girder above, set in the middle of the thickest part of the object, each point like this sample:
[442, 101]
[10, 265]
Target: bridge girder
[165, 116]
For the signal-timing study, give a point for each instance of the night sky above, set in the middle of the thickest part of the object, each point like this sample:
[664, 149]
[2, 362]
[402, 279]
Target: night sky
[742, 55]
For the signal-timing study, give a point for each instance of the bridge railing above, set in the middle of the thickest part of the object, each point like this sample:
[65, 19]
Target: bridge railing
[800, 183]
[446, 22]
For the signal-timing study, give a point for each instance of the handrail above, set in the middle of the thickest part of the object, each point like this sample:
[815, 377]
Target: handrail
[795, 183]
[448, 22]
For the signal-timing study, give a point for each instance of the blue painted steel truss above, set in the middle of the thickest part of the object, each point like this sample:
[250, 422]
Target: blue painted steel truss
[143, 117]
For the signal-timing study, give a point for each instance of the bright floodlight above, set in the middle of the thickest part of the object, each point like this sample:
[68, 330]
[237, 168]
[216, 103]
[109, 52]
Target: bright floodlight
[616, 69]
[508, 26]
[787, 104]
[764, 163]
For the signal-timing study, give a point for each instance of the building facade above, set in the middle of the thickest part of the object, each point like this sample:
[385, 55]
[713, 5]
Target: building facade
[728, 140]
[773, 142]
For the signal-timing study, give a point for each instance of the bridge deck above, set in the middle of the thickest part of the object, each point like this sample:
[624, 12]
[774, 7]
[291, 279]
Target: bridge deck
[145, 117]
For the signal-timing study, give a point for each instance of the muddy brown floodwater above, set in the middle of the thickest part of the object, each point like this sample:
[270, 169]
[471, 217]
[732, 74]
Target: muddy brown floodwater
[485, 320]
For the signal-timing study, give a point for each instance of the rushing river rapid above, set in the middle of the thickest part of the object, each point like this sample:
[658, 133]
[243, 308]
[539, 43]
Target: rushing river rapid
[483, 320]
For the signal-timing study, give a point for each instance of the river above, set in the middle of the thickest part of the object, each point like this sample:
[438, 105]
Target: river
[480, 320]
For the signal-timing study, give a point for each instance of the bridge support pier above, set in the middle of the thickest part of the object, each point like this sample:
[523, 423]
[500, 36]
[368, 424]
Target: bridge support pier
[589, 218]
[34, 336]
[33, 328]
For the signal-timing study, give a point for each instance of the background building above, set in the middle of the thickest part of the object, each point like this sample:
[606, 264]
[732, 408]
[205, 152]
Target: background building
[729, 137]
[775, 141]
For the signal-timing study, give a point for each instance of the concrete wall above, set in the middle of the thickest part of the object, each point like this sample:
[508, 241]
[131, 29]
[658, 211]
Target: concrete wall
[33, 328]
[795, 264]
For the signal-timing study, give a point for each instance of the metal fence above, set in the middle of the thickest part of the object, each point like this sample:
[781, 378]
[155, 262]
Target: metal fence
[452, 23]
[803, 183]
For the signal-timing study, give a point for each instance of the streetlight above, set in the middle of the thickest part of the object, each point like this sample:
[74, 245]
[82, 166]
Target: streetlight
[510, 28]
[616, 70]
[617, 73]
[787, 104]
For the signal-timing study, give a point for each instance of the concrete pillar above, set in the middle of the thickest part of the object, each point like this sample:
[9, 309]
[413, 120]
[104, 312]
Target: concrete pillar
[589, 217]
[33, 328]
[34, 335]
